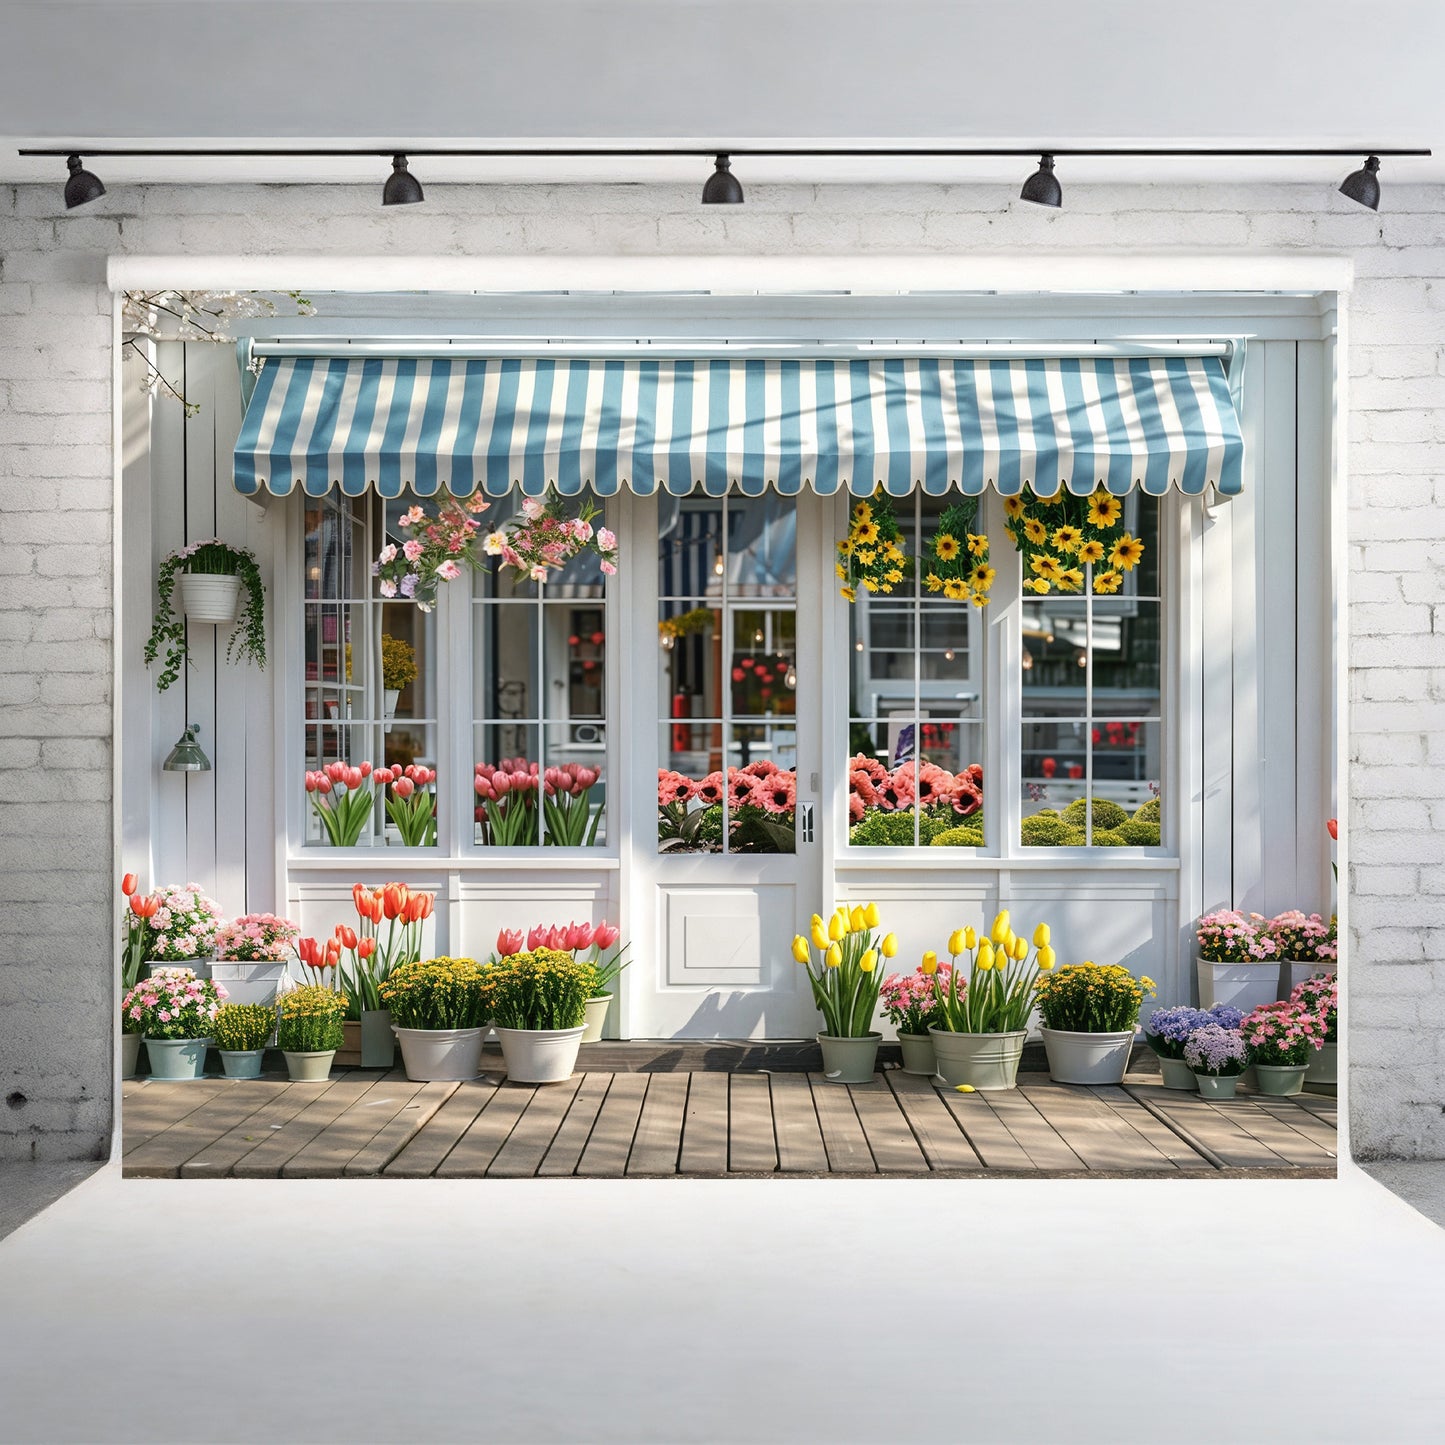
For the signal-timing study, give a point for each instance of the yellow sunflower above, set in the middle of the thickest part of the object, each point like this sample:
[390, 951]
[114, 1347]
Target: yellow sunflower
[1046, 566]
[894, 574]
[946, 547]
[977, 546]
[1011, 535]
[1036, 584]
[980, 599]
[1035, 531]
[1107, 582]
[845, 547]
[866, 555]
[982, 576]
[954, 589]
[863, 512]
[893, 552]
[1091, 551]
[933, 582]
[1127, 552]
[1013, 508]
[1071, 580]
[1053, 501]
[848, 594]
[1104, 509]
[870, 584]
[1067, 539]
[866, 532]
[841, 571]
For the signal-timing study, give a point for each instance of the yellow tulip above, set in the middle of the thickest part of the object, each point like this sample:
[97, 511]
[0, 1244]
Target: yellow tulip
[970, 938]
[834, 956]
[836, 928]
[816, 921]
[820, 935]
[870, 915]
[930, 963]
[869, 961]
[1000, 928]
[889, 946]
[1009, 939]
[800, 949]
[1041, 935]
[956, 943]
[1046, 957]
[856, 921]
[1021, 949]
[985, 955]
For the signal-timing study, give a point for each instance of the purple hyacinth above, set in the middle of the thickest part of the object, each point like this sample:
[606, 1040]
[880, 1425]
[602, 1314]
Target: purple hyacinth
[1226, 1016]
[1216, 1050]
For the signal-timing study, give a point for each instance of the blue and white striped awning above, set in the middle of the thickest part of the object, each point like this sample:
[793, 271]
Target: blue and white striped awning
[941, 424]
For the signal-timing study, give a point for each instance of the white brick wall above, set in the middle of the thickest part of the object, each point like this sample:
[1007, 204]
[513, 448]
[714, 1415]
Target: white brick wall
[56, 884]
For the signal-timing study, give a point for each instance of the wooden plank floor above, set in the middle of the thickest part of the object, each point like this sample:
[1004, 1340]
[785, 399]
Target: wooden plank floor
[368, 1123]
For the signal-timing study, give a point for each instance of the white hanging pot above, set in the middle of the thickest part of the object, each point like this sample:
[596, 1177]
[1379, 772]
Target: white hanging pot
[208, 598]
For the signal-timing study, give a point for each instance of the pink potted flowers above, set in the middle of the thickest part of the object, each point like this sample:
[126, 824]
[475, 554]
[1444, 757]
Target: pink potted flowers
[1237, 961]
[173, 1011]
[252, 953]
[1282, 1039]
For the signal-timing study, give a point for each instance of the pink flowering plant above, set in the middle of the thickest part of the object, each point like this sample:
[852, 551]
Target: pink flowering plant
[908, 1000]
[574, 939]
[759, 802]
[507, 801]
[257, 938]
[1282, 1033]
[1321, 994]
[183, 925]
[411, 802]
[1217, 1051]
[342, 796]
[439, 546]
[1229, 937]
[172, 1004]
[881, 803]
[1302, 937]
[545, 539]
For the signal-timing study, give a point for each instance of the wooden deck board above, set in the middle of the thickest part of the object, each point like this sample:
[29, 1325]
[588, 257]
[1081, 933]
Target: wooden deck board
[843, 1138]
[934, 1126]
[419, 1159]
[566, 1149]
[1092, 1129]
[1038, 1136]
[796, 1130]
[471, 1155]
[1225, 1140]
[658, 1141]
[708, 1124]
[328, 1154]
[332, 1100]
[399, 1131]
[890, 1139]
[986, 1132]
[705, 1125]
[610, 1144]
[529, 1141]
[162, 1155]
[752, 1147]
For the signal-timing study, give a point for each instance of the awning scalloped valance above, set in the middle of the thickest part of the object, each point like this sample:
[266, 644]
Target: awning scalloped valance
[684, 425]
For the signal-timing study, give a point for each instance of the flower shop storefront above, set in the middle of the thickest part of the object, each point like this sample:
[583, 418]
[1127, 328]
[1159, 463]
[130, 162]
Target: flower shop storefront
[704, 631]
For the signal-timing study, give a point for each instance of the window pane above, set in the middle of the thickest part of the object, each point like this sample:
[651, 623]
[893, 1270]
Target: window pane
[327, 742]
[1055, 759]
[689, 657]
[689, 546]
[1055, 647]
[1126, 658]
[504, 669]
[1128, 768]
[691, 789]
[504, 782]
[763, 678]
[575, 808]
[575, 649]
[762, 546]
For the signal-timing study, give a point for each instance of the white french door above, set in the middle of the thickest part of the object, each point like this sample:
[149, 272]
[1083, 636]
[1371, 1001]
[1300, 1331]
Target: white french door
[726, 630]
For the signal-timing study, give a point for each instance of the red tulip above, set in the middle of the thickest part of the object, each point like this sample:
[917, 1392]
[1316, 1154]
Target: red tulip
[365, 947]
[415, 909]
[1334, 826]
[393, 899]
[509, 941]
[605, 935]
[144, 907]
[346, 935]
[359, 893]
[427, 900]
[333, 953]
[308, 951]
[129, 884]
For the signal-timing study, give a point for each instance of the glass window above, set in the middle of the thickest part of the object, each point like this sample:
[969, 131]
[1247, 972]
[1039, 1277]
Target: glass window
[370, 684]
[727, 648]
[915, 775]
[1092, 738]
[539, 707]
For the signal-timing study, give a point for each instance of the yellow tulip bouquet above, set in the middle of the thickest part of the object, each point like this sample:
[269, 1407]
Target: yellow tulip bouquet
[842, 957]
[997, 995]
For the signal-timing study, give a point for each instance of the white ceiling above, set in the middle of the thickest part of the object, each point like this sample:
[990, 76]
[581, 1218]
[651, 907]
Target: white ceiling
[572, 72]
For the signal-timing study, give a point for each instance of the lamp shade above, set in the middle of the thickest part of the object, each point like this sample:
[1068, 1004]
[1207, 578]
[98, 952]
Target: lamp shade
[186, 756]
[1363, 185]
[82, 186]
[402, 188]
[1042, 188]
[722, 188]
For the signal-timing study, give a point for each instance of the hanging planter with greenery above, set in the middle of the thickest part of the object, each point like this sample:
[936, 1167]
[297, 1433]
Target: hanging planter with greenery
[957, 558]
[871, 555]
[1061, 537]
[207, 560]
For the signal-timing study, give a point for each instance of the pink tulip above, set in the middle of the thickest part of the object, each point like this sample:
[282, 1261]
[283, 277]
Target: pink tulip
[605, 935]
[365, 769]
[484, 790]
[403, 787]
[536, 937]
[509, 941]
[335, 771]
[354, 778]
[579, 935]
[323, 783]
[501, 784]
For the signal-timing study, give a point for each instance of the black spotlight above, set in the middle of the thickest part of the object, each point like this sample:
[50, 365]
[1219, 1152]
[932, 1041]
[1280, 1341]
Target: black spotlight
[1042, 188]
[722, 188]
[402, 188]
[1363, 185]
[82, 185]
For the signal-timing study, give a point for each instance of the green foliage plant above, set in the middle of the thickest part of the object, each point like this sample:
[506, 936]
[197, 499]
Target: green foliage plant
[243, 1026]
[212, 558]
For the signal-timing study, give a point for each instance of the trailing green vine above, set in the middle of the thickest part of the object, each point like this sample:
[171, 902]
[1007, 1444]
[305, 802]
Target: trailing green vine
[213, 558]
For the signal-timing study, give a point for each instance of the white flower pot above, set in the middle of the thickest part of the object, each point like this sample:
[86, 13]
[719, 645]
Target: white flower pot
[1322, 1073]
[1241, 985]
[982, 1061]
[849, 1060]
[1084, 1058]
[440, 1055]
[595, 1018]
[389, 698]
[248, 982]
[540, 1056]
[201, 967]
[1294, 971]
[206, 598]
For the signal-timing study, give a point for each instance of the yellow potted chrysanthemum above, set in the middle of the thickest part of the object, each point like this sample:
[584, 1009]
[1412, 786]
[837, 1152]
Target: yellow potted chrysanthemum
[1088, 1014]
[539, 1007]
